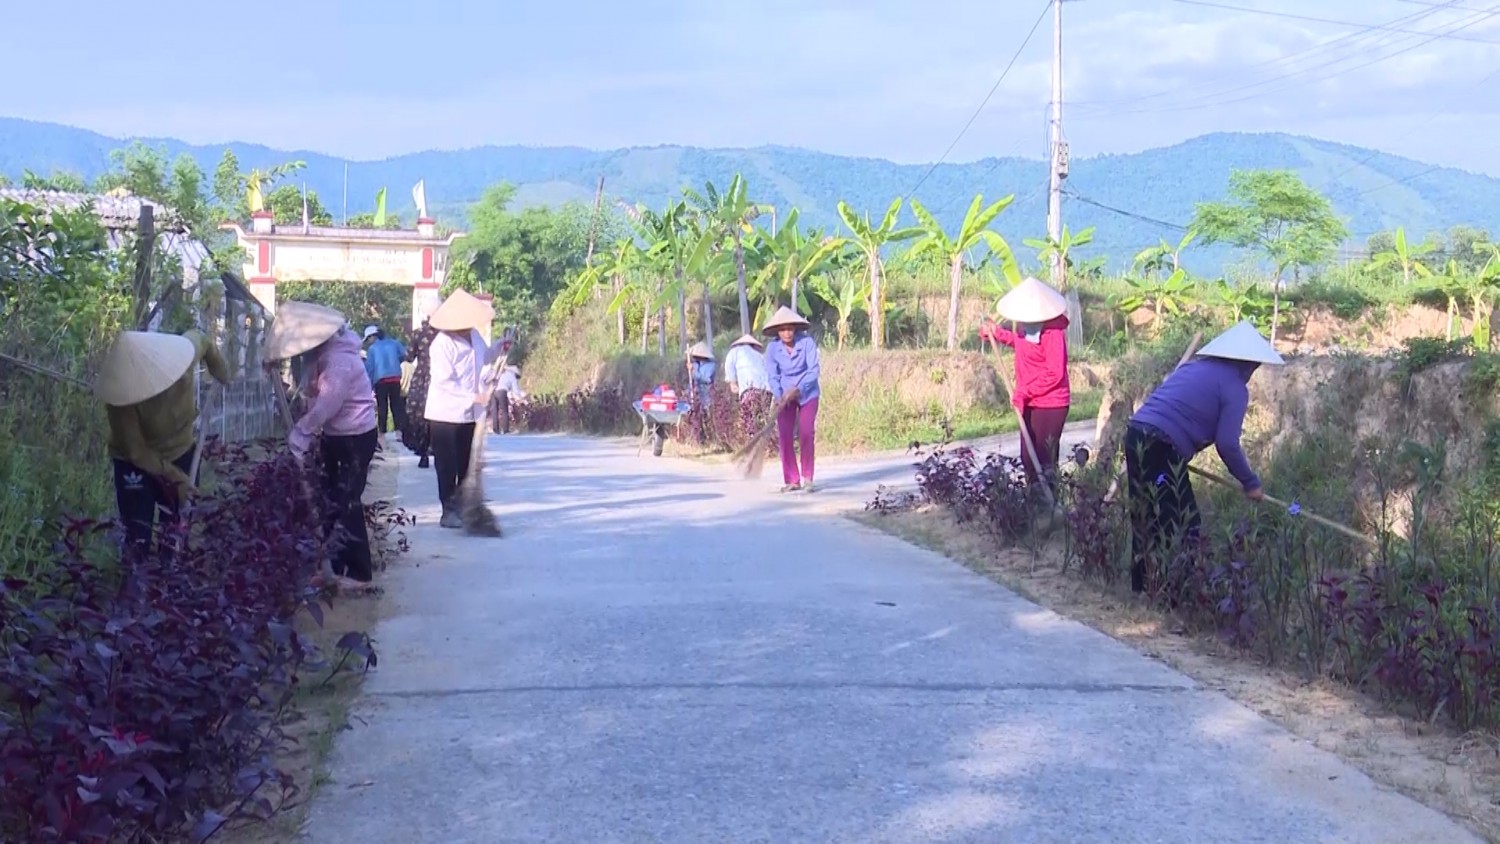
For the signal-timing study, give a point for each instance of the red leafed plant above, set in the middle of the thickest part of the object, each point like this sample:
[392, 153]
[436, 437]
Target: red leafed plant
[141, 701]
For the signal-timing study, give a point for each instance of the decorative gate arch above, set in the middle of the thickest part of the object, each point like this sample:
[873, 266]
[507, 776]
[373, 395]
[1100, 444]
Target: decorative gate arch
[416, 258]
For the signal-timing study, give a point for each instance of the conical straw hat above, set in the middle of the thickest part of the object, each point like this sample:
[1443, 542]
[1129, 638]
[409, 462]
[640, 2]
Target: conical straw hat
[1032, 301]
[700, 349]
[300, 327]
[462, 311]
[747, 340]
[142, 364]
[1242, 342]
[783, 317]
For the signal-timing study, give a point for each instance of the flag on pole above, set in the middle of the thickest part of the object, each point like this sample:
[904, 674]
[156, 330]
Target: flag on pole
[419, 196]
[380, 209]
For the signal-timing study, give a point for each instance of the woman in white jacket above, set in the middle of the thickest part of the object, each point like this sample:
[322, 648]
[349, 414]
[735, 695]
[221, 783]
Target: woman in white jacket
[455, 402]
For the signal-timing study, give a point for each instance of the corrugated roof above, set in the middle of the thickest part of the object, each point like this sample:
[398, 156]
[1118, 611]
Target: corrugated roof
[116, 211]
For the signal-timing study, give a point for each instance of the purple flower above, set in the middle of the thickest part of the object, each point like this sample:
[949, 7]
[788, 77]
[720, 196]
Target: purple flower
[1295, 509]
[1161, 479]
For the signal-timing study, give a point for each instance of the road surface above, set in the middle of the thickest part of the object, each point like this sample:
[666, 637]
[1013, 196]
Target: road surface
[658, 653]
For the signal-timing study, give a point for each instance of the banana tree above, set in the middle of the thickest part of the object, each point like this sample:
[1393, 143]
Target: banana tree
[668, 250]
[619, 264]
[1159, 258]
[1047, 248]
[1406, 256]
[639, 278]
[1483, 290]
[787, 257]
[845, 295]
[1246, 303]
[704, 261]
[731, 214]
[1169, 294]
[975, 229]
[871, 239]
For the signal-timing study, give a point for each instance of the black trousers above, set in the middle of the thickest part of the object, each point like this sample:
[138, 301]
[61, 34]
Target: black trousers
[346, 468]
[451, 444]
[1162, 506]
[141, 497]
[500, 412]
[388, 403]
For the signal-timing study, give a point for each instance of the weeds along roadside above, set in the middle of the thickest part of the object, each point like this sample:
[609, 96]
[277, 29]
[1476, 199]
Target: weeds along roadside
[1413, 621]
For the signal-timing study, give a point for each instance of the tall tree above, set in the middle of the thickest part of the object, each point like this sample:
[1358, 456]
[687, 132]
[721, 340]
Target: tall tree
[1275, 213]
[974, 230]
[731, 213]
[871, 239]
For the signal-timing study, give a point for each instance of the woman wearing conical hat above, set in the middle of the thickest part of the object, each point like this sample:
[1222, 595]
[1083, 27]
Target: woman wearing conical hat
[700, 370]
[148, 383]
[457, 360]
[340, 415]
[1042, 393]
[745, 373]
[1202, 402]
[792, 369]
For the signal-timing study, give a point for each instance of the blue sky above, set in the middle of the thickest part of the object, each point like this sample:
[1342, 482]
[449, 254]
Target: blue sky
[880, 78]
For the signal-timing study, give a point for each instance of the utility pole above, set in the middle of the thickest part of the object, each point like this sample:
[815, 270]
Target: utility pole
[1058, 159]
[588, 259]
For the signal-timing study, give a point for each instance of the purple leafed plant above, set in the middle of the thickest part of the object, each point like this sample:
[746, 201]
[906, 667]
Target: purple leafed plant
[144, 699]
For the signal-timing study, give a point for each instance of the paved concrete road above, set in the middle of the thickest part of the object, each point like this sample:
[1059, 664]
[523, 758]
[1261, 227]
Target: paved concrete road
[657, 653]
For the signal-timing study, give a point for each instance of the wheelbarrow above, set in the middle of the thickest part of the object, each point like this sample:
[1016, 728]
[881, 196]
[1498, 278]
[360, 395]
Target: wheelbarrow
[654, 425]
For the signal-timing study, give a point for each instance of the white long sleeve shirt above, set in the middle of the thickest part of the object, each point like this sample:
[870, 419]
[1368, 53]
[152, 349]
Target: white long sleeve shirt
[510, 384]
[745, 368]
[455, 367]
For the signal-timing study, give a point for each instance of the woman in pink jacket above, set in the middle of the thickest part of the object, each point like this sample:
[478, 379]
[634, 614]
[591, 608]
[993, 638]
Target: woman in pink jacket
[341, 414]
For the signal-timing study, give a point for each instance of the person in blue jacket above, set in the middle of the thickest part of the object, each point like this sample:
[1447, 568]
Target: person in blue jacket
[1202, 403]
[383, 359]
[792, 370]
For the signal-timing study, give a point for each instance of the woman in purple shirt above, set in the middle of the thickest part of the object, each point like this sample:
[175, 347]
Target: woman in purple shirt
[792, 367]
[1202, 403]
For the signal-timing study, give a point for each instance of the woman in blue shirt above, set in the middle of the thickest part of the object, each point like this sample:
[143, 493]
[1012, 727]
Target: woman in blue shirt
[1201, 403]
[701, 369]
[792, 368]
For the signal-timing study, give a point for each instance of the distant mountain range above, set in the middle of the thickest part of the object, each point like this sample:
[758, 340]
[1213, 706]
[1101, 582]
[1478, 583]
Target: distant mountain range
[1371, 189]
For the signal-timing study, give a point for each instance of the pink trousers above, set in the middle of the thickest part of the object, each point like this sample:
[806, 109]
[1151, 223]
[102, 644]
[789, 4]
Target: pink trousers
[802, 420]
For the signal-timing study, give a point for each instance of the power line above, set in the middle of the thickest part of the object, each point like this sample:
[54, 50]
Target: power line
[1046, 7]
[1292, 16]
[1194, 106]
[1322, 46]
[1423, 124]
[1123, 213]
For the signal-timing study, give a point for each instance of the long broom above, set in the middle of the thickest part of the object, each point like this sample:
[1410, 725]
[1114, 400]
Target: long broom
[1301, 512]
[478, 519]
[751, 457]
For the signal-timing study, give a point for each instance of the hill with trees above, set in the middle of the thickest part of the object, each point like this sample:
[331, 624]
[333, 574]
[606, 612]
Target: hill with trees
[1144, 194]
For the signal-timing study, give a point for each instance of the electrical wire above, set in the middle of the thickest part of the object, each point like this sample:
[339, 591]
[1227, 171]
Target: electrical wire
[1422, 125]
[1322, 46]
[1207, 101]
[1046, 7]
[1292, 16]
[1493, 11]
